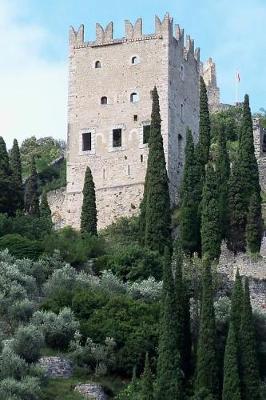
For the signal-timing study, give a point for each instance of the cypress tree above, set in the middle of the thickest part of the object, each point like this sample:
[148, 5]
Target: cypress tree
[190, 199]
[45, 213]
[254, 227]
[243, 183]
[146, 381]
[16, 169]
[231, 381]
[31, 192]
[223, 175]
[157, 199]
[89, 211]
[169, 382]
[210, 218]
[206, 370]
[249, 373]
[6, 193]
[236, 305]
[203, 147]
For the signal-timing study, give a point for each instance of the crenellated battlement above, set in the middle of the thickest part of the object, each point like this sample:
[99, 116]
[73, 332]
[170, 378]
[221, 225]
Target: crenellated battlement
[134, 32]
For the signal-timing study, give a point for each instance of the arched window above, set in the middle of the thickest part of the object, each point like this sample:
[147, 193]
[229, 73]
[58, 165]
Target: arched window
[104, 100]
[98, 64]
[134, 60]
[134, 97]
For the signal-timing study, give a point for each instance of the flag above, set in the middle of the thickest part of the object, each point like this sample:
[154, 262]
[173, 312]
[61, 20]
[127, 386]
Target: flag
[238, 77]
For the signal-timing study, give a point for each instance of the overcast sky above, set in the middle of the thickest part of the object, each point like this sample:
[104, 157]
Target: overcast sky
[34, 38]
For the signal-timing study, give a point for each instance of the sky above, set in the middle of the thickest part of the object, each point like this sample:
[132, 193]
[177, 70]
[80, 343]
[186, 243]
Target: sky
[34, 51]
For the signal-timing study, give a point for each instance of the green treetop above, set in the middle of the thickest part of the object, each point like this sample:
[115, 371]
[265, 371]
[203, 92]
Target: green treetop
[206, 369]
[223, 174]
[190, 199]
[147, 381]
[249, 373]
[210, 217]
[236, 305]
[203, 148]
[254, 227]
[157, 200]
[169, 381]
[31, 192]
[7, 190]
[231, 381]
[89, 212]
[16, 169]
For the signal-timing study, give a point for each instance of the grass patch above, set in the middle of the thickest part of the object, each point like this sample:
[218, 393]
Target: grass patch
[48, 352]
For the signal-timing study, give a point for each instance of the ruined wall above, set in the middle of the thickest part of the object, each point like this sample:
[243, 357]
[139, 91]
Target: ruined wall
[161, 60]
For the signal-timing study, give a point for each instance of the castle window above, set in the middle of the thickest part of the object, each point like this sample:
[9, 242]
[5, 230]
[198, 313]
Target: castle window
[104, 100]
[182, 73]
[181, 112]
[128, 170]
[104, 174]
[134, 60]
[117, 137]
[134, 97]
[146, 133]
[86, 141]
[98, 64]
[135, 118]
[141, 158]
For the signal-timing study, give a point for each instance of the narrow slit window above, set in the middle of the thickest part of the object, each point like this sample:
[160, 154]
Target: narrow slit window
[141, 158]
[134, 60]
[86, 141]
[146, 133]
[182, 112]
[135, 118]
[98, 64]
[134, 97]
[117, 137]
[104, 100]
[128, 170]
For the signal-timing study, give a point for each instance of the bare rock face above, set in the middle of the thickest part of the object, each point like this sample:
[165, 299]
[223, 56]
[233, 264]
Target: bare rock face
[91, 391]
[56, 367]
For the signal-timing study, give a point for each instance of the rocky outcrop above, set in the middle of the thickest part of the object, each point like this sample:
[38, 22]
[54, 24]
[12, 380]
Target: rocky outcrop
[91, 391]
[56, 367]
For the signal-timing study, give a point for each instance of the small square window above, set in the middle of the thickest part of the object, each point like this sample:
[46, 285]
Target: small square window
[117, 137]
[86, 141]
[146, 133]
[135, 118]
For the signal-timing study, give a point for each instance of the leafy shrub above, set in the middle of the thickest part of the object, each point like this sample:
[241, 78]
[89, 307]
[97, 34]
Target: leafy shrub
[58, 329]
[132, 324]
[5, 224]
[20, 246]
[12, 365]
[148, 290]
[85, 302]
[28, 341]
[26, 389]
[98, 357]
[75, 248]
[133, 263]
[21, 311]
[124, 231]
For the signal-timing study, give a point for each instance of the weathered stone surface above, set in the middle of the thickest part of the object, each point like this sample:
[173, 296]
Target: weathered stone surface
[254, 270]
[91, 391]
[56, 367]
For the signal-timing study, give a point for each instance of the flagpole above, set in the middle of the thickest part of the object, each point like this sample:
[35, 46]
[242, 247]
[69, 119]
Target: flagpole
[237, 86]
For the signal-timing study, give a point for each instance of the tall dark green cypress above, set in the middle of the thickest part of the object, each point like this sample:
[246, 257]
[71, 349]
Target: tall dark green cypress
[203, 147]
[254, 229]
[236, 305]
[206, 369]
[210, 218]
[45, 213]
[223, 174]
[231, 381]
[6, 191]
[243, 183]
[16, 170]
[190, 198]
[88, 223]
[184, 340]
[157, 198]
[249, 372]
[31, 192]
[147, 381]
[169, 379]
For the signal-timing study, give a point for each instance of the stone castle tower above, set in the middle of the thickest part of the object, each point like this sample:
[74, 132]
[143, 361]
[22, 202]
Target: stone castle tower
[109, 109]
[208, 72]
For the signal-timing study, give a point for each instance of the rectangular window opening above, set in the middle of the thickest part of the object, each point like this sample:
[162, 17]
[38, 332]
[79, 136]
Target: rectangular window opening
[146, 133]
[86, 141]
[117, 137]
[135, 118]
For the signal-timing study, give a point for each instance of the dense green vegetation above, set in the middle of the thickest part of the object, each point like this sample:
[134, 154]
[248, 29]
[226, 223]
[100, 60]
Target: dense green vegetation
[133, 308]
